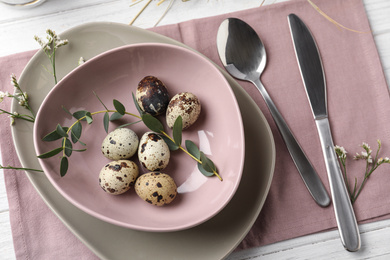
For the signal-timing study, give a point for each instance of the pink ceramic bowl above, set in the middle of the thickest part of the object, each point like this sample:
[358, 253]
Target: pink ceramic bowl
[115, 75]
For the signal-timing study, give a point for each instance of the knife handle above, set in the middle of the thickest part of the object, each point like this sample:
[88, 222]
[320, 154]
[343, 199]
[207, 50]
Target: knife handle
[345, 217]
[305, 169]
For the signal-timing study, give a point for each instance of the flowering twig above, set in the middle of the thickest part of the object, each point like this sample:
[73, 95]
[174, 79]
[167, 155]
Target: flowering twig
[22, 99]
[50, 47]
[371, 165]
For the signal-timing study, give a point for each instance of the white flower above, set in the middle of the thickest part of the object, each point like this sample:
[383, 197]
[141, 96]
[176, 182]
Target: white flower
[81, 61]
[366, 147]
[3, 95]
[341, 152]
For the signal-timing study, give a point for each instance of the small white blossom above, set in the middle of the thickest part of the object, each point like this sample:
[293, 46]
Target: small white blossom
[3, 95]
[81, 61]
[341, 152]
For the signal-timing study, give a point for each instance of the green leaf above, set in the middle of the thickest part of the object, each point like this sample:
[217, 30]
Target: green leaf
[207, 166]
[140, 111]
[203, 171]
[64, 166]
[172, 146]
[80, 114]
[79, 150]
[53, 136]
[115, 116]
[101, 102]
[60, 130]
[50, 153]
[106, 121]
[193, 149]
[177, 130]
[76, 132]
[128, 124]
[68, 147]
[88, 117]
[152, 123]
[67, 111]
[120, 108]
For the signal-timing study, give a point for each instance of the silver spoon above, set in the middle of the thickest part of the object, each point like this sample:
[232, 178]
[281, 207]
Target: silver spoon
[243, 55]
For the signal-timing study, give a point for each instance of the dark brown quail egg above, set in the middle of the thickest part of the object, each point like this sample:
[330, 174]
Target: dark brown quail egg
[153, 152]
[156, 188]
[187, 106]
[152, 95]
[122, 143]
[117, 177]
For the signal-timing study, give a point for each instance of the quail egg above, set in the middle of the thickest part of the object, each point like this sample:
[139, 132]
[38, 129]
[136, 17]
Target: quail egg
[156, 188]
[152, 95]
[187, 106]
[117, 177]
[153, 152]
[122, 143]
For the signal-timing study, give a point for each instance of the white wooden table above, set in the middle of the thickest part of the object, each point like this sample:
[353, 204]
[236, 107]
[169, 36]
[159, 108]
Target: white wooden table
[18, 26]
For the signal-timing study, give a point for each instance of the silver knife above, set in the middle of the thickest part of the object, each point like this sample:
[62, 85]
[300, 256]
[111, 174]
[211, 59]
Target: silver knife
[312, 73]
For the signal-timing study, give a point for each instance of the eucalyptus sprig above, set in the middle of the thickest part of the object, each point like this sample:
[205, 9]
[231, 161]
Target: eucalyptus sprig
[72, 134]
[205, 165]
[371, 165]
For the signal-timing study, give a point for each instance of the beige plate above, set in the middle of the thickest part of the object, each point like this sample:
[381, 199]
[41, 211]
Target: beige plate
[213, 239]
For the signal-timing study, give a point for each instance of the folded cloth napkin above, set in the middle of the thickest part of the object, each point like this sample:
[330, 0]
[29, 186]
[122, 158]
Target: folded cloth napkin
[358, 103]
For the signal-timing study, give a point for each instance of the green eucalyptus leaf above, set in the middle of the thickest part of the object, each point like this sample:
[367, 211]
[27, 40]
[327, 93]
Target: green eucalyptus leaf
[68, 147]
[207, 164]
[61, 131]
[120, 108]
[140, 111]
[152, 123]
[115, 116]
[204, 171]
[64, 166]
[128, 124]
[88, 117]
[50, 153]
[101, 102]
[106, 121]
[192, 149]
[52, 136]
[79, 150]
[76, 132]
[82, 143]
[177, 130]
[67, 111]
[80, 114]
[172, 146]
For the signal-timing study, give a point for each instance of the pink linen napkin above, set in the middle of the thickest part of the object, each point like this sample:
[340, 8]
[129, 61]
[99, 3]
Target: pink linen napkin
[358, 103]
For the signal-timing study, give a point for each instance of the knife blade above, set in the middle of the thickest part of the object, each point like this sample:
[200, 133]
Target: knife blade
[312, 73]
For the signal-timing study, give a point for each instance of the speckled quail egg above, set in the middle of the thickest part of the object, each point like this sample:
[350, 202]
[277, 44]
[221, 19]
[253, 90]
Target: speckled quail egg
[153, 152]
[117, 177]
[122, 143]
[156, 188]
[187, 106]
[152, 95]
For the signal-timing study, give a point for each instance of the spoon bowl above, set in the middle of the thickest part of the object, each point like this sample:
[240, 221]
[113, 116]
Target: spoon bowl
[249, 62]
[243, 55]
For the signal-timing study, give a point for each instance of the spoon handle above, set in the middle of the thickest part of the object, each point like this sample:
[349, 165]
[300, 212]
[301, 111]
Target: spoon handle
[306, 170]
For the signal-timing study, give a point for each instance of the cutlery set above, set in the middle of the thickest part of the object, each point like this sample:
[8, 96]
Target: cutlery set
[243, 55]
